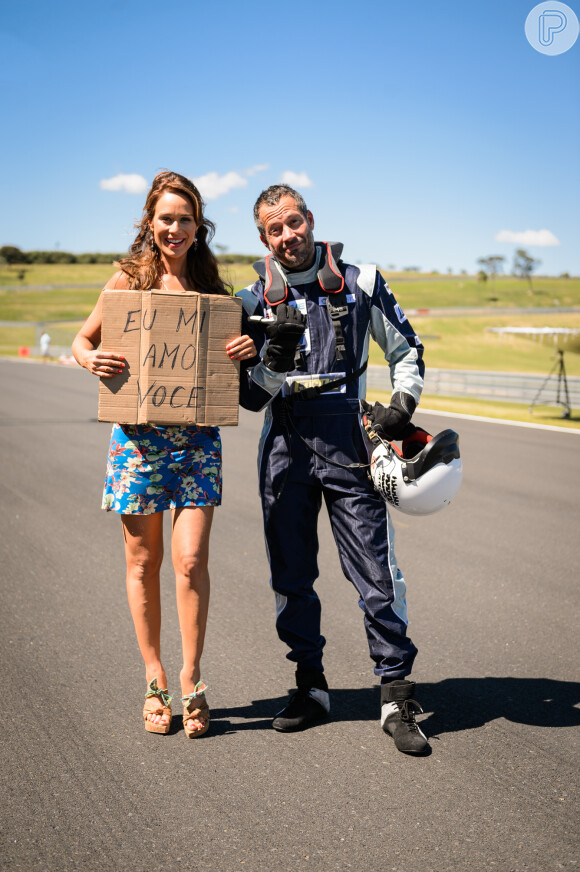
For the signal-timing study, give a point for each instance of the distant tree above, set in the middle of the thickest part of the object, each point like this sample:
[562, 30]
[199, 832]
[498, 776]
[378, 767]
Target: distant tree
[11, 254]
[492, 264]
[482, 276]
[524, 265]
[221, 248]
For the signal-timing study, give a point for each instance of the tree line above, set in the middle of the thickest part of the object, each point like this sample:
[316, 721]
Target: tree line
[523, 264]
[13, 255]
[10, 254]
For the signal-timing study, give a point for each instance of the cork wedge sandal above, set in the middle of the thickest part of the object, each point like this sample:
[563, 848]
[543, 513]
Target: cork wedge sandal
[195, 707]
[156, 703]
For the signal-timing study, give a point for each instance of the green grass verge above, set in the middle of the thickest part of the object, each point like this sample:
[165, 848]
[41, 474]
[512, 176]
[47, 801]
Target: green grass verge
[466, 343]
[413, 290]
[551, 415]
[430, 292]
[57, 304]
[56, 274]
[458, 342]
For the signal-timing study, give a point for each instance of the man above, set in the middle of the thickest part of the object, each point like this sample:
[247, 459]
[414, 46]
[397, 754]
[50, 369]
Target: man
[320, 314]
[45, 346]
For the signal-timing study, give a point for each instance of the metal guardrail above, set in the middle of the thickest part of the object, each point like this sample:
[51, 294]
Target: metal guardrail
[509, 387]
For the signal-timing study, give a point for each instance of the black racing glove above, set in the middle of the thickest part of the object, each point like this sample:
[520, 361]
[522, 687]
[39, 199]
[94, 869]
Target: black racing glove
[390, 422]
[284, 335]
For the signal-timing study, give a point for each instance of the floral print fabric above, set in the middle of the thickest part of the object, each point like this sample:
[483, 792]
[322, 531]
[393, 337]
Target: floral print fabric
[150, 469]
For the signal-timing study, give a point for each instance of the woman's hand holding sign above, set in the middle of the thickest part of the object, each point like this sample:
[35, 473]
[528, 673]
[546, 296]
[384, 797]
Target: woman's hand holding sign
[241, 348]
[104, 364]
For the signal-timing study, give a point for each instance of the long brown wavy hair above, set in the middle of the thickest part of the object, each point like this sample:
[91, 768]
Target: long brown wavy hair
[143, 263]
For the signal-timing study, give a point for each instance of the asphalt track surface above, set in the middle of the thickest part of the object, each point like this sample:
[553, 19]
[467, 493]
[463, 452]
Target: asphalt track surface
[493, 600]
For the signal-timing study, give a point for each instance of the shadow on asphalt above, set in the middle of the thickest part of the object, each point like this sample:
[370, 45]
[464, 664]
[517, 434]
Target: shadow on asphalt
[451, 705]
[467, 703]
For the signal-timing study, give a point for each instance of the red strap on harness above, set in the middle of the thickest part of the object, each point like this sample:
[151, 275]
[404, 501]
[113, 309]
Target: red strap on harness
[269, 279]
[334, 281]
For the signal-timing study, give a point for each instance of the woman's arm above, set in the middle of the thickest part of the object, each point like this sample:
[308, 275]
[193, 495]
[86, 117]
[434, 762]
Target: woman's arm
[104, 364]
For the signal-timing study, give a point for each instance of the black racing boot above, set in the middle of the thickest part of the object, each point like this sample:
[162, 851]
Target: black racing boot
[308, 704]
[398, 716]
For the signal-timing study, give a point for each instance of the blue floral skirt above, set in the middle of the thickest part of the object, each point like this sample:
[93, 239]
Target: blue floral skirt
[150, 469]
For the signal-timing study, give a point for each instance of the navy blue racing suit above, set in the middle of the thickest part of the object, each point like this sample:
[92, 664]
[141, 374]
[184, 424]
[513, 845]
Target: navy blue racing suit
[302, 442]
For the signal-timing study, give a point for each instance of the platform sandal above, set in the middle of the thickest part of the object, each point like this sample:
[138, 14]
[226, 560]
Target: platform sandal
[156, 703]
[195, 706]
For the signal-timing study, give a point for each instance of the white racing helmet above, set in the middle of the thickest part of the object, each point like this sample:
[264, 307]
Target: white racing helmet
[423, 477]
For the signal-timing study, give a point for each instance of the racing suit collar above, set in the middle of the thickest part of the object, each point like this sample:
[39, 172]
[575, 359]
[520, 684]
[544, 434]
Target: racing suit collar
[325, 270]
[299, 278]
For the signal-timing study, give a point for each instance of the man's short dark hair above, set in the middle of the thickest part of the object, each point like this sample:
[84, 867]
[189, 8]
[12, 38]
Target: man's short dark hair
[272, 196]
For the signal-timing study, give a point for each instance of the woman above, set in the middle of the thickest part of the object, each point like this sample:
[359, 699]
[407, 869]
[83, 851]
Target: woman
[155, 468]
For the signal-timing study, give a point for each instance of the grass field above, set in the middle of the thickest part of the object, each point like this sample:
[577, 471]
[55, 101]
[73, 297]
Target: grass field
[551, 415]
[466, 343]
[56, 273]
[460, 341]
[431, 291]
[413, 290]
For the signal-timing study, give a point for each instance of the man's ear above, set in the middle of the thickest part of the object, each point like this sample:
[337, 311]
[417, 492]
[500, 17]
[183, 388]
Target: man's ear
[264, 241]
[310, 219]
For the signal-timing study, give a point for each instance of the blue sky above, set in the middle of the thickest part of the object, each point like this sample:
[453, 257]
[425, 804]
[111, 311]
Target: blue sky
[416, 131]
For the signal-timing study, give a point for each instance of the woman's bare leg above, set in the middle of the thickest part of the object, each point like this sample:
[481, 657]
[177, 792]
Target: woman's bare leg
[143, 536]
[190, 552]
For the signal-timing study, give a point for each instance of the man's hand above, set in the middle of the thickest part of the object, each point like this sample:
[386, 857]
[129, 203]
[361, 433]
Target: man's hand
[284, 335]
[390, 422]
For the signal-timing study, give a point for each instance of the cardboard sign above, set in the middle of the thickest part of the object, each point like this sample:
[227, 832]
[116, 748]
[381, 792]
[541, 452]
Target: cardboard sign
[177, 370]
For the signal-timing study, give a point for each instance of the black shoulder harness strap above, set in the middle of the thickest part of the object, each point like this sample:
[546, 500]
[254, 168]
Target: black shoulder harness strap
[329, 277]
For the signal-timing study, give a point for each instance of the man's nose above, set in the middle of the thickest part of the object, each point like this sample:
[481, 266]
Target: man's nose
[287, 232]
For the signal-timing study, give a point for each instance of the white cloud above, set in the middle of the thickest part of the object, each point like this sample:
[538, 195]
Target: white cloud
[527, 237]
[258, 168]
[296, 180]
[132, 183]
[211, 186]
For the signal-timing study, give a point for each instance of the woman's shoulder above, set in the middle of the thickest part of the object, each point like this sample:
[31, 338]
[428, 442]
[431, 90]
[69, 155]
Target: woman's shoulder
[120, 281]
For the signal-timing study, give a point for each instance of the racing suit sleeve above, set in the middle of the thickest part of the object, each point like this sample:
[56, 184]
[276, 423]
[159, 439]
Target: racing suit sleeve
[258, 384]
[400, 344]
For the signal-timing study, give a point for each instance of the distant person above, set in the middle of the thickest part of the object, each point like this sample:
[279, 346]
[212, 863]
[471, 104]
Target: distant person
[45, 347]
[151, 469]
[313, 448]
